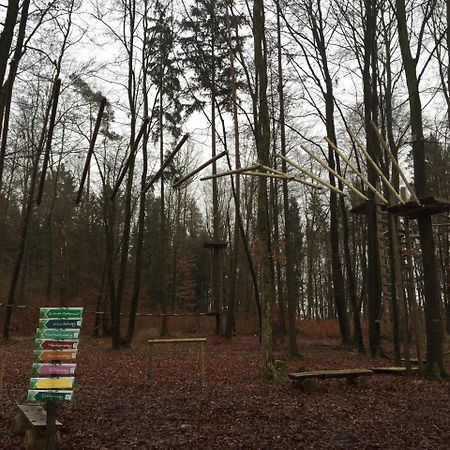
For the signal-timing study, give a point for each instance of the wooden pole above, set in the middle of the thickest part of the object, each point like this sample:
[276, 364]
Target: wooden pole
[314, 177]
[198, 169]
[149, 371]
[336, 174]
[230, 172]
[394, 162]
[48, 146]
[91, 149]
[2, 373]
[130, 157]
[51, 426]
[282, 177]
[356, 171]
[375, 166]
[166, 163]
[202, 364]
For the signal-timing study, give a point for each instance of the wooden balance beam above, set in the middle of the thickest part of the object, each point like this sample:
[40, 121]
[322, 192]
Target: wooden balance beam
[200, 341]
[300, 379]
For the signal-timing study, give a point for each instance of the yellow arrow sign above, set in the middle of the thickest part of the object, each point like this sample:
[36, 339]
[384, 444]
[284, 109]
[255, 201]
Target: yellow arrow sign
[52, 383]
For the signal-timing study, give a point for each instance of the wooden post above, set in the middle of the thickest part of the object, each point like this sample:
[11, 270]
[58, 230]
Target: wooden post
[52, 443]
[202, 364]
[149, 372]
[2, 371]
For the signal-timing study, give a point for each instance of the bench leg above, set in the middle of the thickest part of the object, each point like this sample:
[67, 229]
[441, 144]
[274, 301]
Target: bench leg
[149, 372]
[354, 381]
[20, 424]
[202, 364]
[35, 439]
[304, 385]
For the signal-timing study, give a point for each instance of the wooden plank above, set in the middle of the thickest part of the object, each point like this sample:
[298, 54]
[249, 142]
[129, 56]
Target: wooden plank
[346, 373]
[36, 415]
[173, 340]
[395, 370]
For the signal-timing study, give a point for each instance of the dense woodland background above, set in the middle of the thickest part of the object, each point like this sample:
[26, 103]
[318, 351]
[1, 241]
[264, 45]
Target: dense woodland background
[254, 80]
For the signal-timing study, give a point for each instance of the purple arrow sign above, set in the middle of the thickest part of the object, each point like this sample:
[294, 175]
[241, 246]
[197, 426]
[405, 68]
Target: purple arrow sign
[53, 369]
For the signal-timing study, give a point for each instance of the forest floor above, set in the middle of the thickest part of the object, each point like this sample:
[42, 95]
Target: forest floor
[113, 408]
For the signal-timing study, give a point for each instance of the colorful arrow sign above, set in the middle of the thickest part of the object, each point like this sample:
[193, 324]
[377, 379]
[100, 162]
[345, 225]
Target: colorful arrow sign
[61, 313]
[52, 383]
[59, 323]
[54, 355]
[49, 396]
[46, 344]
[43, 370]
[57, 334]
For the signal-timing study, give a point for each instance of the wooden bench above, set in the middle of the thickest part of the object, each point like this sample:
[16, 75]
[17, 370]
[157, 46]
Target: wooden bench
[200, 341]
[394, 370]
[31, 420]
[302, 379]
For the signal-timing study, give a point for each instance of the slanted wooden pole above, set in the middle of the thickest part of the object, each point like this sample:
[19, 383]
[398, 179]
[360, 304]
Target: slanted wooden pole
[130, 157]
[91, 149]
[165, 164]
[282, 177]
[230, 172]
[394, 162]
[202, 364]
[356, 171]
[2, 373]
[314, 177]
[48, 146]
[198, 169]
[336, 174]
[375, 166]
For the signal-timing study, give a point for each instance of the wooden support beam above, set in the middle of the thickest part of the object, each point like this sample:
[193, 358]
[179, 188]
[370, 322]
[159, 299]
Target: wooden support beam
[394, 162]
[314, 177]
[169, 159]
[356, 171]
[230, 172]
[375, 166]
[282, 176]
[198, 169]
[336, 174]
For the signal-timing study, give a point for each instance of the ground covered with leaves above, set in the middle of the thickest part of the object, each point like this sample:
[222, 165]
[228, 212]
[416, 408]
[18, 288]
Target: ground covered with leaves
[114, 408]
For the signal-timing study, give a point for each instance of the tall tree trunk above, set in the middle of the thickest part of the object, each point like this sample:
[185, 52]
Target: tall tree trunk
[262, 128]
[292, 297]
[433, 320]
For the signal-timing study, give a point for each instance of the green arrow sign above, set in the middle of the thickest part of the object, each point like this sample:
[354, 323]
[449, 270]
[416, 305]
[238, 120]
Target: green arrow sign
[49, 396]
[59, 323]
[57, 334]
[61, 313]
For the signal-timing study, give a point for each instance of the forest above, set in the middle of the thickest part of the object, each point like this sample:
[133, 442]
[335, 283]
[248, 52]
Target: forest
[270, 169]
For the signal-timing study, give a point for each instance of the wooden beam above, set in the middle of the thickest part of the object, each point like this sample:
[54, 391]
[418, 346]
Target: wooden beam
[336, 174]
[230, 172]
[169, 159]
[314, 177]
[375, 166]
[357, 172]
[198, 169]
[394, 162]
[278, 174]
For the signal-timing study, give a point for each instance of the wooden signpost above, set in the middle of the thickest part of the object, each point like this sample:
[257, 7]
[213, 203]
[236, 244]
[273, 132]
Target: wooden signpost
[55, 352]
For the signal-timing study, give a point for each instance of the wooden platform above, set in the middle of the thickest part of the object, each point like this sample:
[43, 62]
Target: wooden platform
[35, 414]
[428, 206]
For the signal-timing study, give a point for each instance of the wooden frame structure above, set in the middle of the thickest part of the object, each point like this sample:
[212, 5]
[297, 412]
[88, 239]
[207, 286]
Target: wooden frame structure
[200, 341]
